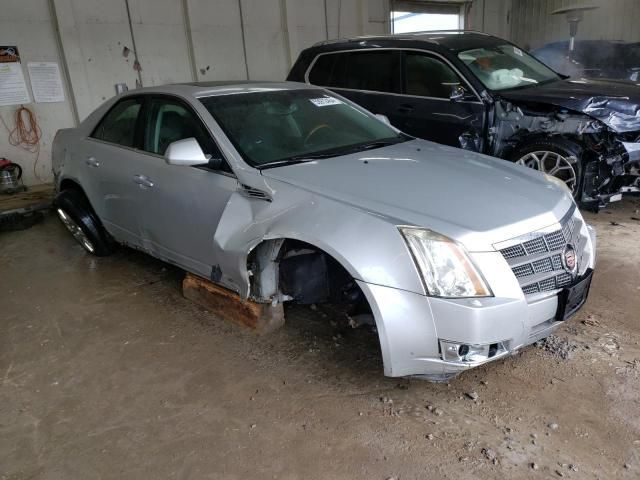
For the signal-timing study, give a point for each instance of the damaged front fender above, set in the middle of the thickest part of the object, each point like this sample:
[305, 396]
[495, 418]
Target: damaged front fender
[619, 114]
[333, 227]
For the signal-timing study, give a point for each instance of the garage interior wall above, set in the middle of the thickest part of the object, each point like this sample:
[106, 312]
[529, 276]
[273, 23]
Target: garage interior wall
[533, 25]
[490, 16]
[96, 43]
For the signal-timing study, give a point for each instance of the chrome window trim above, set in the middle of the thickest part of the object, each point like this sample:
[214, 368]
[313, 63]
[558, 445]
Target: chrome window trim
[427, 52]
[118, 145]
[179, 99]
[155, 155]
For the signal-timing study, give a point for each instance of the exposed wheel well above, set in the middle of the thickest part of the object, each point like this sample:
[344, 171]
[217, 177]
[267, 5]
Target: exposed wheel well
[296, 271]
[68, 184]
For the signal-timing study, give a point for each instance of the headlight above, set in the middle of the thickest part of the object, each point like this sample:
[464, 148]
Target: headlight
[558, 182]
[445, 266]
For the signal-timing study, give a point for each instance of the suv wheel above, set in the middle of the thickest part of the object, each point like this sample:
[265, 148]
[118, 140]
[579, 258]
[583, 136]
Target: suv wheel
[76, 214]
[553, 156]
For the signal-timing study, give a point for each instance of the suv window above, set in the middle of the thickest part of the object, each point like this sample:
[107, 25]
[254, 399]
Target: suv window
[119, 124]
[376, 71]
[322, 72]
[427, 76]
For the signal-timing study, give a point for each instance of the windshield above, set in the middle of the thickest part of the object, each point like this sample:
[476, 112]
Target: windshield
[506, 66]
[290, 126]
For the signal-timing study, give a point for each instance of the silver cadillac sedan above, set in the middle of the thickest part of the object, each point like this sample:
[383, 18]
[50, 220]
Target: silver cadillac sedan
[283, 192]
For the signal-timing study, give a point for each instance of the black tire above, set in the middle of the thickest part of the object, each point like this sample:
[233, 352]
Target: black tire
[571, 156]
[75, 213]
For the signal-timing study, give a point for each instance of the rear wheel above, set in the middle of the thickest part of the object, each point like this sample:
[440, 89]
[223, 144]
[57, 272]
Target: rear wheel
[77, 216]
[554, 156]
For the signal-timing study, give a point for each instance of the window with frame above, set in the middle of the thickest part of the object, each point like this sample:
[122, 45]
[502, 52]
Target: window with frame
[169, 121]
[119, 124]
[329, 70]
[427, 76]
[376, 71]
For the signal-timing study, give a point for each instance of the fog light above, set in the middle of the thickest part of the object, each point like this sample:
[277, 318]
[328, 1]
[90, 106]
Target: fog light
[468, 353]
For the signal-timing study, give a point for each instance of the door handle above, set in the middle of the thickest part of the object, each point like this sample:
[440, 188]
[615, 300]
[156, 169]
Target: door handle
[92, 162]
[143, 181]
[405, 108]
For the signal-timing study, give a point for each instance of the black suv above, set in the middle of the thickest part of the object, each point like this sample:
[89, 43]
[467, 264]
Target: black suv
[482, 93]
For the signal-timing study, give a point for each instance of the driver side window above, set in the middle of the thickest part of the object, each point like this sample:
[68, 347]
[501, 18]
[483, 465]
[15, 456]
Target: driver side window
[169, 121]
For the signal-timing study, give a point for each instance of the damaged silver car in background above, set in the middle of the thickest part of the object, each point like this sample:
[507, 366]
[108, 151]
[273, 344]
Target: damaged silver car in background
[284, 192]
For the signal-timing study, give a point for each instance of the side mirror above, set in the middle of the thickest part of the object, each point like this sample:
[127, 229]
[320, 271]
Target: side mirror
[457, 93]
[185, 152]
[383, 118]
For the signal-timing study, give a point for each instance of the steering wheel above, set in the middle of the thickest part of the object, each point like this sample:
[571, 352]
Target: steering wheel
[315, 130]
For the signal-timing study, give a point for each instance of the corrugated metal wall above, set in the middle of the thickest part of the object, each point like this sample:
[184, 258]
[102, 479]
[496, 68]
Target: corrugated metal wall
[532, 24]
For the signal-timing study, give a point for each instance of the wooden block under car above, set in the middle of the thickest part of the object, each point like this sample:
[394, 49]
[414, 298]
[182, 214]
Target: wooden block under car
[260, 318]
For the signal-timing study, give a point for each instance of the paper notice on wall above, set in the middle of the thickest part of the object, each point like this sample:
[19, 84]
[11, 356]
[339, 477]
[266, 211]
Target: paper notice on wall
[46, 82]
[13, 89]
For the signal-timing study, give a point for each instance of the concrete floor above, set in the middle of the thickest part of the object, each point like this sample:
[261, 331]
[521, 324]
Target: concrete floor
[107, 372]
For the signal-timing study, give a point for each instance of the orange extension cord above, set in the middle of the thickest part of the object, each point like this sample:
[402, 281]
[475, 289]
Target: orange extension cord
[26, 134]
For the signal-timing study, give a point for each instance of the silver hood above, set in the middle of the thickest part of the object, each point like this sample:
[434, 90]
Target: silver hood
[475, 199]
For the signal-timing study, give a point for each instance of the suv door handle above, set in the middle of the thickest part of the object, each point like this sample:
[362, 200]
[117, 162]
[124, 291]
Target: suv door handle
[92, 162]
[405, 108]
[143, 181]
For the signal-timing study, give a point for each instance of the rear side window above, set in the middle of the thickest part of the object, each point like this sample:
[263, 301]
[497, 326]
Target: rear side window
[119, 124]
[426, 76]
[322, 70]
[377, 71]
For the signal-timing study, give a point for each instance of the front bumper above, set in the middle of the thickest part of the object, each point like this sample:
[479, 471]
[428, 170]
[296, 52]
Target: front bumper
[412, 326]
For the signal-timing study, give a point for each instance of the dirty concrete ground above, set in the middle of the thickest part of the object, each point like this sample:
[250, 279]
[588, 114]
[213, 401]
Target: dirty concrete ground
[107, 372]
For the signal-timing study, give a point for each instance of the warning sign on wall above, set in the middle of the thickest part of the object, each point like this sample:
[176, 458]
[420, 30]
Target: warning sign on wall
[9, 54]
[13, 89]
[46, 83]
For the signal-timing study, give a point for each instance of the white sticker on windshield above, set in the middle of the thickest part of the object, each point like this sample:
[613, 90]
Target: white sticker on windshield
[325, 101]
[517, 51]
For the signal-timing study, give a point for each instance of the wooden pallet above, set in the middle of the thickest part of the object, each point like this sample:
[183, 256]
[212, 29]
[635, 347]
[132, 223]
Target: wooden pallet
[37, 197]
[260, 318]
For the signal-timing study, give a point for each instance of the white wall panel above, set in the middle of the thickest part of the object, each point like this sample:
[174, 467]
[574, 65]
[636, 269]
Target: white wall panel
[305, 23]
[217, 39]
[491, 16]
[265, 39]
[346, 18]
[160, 36]
[94, 34]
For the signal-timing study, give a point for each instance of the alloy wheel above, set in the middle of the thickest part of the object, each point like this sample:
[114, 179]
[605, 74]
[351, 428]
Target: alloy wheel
[76, 231]
[554, 164]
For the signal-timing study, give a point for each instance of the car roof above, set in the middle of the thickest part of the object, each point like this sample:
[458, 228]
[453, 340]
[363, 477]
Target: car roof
[454, 40]
[226, 87]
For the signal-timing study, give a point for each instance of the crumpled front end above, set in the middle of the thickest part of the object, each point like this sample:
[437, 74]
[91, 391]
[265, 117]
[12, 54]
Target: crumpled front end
[617, 169]
[607, 130]
[622, 153]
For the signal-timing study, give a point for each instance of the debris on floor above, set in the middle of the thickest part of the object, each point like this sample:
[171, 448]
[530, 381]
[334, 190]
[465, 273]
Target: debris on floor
[561, 348]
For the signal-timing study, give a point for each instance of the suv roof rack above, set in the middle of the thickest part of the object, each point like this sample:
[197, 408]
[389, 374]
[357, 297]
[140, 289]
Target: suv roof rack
[395, 35]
